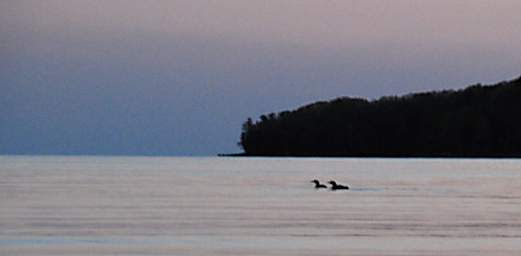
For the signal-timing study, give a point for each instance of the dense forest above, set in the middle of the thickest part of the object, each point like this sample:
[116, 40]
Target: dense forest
[479, 121]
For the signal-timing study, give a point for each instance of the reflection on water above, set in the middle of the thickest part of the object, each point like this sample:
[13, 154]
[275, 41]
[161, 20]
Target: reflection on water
[257, 206]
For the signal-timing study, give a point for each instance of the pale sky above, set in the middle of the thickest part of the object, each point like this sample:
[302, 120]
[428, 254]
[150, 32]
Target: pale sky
[179, 77]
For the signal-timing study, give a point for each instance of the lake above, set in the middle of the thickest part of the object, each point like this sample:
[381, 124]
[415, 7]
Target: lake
[258, 206]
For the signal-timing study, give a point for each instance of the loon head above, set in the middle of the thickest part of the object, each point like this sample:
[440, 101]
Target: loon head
[332, 182]
[315, 181]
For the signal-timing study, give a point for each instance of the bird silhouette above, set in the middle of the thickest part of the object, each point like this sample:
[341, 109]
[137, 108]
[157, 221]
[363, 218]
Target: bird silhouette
[335, 186]
[318, 185]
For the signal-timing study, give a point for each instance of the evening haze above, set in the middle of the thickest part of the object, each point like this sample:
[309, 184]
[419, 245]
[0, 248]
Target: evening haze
[180, 77]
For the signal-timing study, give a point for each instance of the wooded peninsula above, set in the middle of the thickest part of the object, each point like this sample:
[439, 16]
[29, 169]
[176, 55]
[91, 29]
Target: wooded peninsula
[479, 121]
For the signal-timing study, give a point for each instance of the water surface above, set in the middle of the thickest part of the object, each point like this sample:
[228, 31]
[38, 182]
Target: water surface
[258, 206]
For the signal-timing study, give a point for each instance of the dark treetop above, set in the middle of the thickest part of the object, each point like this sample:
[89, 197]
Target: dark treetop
[479, 121]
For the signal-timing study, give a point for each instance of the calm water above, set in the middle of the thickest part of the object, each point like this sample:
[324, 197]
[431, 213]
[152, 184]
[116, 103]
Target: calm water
[248, 206]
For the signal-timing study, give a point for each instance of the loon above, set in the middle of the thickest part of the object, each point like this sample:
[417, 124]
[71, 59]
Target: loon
[335, 186]
[318, 185]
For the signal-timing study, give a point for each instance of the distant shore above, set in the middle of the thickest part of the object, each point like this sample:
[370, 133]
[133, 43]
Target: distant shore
[476, 122]
[232, 155]
[378, 156]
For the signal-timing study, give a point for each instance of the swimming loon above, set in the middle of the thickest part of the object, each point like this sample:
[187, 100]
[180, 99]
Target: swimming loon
[318, 185]
[335, 186]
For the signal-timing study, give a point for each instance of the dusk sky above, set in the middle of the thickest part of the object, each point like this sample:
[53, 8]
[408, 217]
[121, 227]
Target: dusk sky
[180, 77]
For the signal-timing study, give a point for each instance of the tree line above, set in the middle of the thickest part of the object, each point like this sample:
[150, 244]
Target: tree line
[479, 121]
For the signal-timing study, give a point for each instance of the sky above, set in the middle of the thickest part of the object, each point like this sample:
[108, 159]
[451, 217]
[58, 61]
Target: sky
[180, 77]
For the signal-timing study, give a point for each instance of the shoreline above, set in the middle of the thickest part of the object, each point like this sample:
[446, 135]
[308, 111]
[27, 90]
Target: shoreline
[378, 156]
